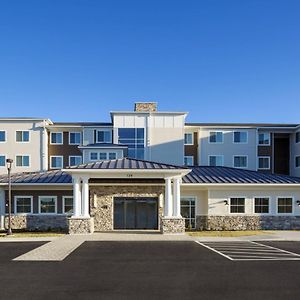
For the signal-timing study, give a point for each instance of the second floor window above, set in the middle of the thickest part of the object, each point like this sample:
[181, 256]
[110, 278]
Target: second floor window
[56, 162]
[22, 160]
[2, 161]
[22, 136]
[75, 160]
[2, 136]
[264, 162]
[104, 136]
[240, 161]
[240, 137]
[188, 139]
[56, 138]
[216, 160]
[74, 138]
[134, 139]
[216, 137]
[189, 160]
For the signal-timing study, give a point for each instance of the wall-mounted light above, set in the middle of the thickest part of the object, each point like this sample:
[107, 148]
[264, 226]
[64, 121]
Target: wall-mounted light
[226, 202]
[298, 202]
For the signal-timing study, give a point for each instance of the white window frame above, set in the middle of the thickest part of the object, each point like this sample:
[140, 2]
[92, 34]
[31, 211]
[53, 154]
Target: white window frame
[183, 197]
[214, 143]
[189, 156]
[240, 156]
[5, 156]
[111, 135]
[108, 153]
[62, 137]
[3, 142]
[63, 205]
[22, 142]
[29, 159]
[70, 132]
[74, 156]
[295, 137]
[222, 156]
[62, 162]
[192, 134]
[44, 196]
[269, 205]
[285, 214]
[269, 134]
[229, 206]
[92, 159]
[103, 152]
[297, 156]
[269, 162]
[15, 204]
[240, 143]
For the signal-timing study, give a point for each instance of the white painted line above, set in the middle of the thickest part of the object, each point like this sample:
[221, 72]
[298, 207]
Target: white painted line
[220, 253]
[292, 253]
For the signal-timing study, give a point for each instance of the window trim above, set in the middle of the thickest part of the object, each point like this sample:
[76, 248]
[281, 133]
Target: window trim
[209, 132]
[295, 161]
[63, 205]
[70, 137]
[3, 142]
[15, 204]
[29, 160]
[229, 206]
[285, 214]
[240, 143]
[62, 138]
[39, 204]
[220, 155]
[237, 155]
[269, 205]
[192, 134]
[269, 162]
[108, 153]
[190, 156]
[22, 142]
[56, 168]
[262, 145]
[5, 156]
[74, 156]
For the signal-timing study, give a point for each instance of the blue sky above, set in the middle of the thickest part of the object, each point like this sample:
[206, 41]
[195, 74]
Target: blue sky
[220, 60]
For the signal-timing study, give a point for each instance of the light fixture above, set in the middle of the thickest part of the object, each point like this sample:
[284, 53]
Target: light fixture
[226, 202]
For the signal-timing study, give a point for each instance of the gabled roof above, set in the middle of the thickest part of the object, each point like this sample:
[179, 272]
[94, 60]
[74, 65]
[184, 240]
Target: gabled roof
[225, 175]
[126, 163]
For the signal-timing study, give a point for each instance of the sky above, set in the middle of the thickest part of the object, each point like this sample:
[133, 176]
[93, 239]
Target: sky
[219, 60]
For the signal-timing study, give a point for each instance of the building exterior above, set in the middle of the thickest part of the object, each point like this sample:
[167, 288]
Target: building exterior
[148, 169]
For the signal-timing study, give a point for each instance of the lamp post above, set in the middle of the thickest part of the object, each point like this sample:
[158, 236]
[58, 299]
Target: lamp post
[9, 162]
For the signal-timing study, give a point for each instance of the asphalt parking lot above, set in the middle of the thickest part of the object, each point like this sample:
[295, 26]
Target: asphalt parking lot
[147, 270]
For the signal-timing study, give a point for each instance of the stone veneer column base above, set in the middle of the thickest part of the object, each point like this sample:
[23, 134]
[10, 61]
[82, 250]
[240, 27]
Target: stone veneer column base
[172, 225]
[80, 225]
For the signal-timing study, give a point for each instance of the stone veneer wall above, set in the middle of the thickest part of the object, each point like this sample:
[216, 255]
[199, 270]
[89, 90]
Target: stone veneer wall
[80, 225]
[101, 204]
[172, 225]
[247, 222]
[38, 222]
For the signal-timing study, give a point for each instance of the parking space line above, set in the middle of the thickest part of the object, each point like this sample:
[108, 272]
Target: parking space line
[220, 253]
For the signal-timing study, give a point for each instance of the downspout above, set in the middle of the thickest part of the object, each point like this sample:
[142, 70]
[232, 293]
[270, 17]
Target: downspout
[44, 147]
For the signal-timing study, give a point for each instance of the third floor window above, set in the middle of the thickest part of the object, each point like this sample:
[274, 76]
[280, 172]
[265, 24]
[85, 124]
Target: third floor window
[240, 137]
[216, 137]
[2, 136]
[264, 139]
[22, 136]
[74, 138]
[188, 139]
[56, 138]
[104, 136]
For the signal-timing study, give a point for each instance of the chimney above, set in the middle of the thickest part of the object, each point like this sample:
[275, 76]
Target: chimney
[145, 106]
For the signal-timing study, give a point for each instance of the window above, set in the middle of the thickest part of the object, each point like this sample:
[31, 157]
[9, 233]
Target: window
[134, 139]
[284, 205]
[216, 137]
[188, 139]
[56, 162]
[187, 210]
[240, 161]
[216, 160]
[68, 205]
[264, 139]
[237, 205]
[75, 160]
[297, 161]
[104, 136]
[297, 137]
[2, 160]
[189, 160]
[47, 204]
[23, 204]
[261, 205]
[2, 136]
[22, 136]
[264, 162]
[112, 155]
[74, 138]
[22, 160]
[56, 138]
[102, 156]
[240, 137]
[94, 156]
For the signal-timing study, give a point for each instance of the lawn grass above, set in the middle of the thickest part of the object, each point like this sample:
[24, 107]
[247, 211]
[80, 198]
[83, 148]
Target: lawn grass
[224, 233]
[26, 234]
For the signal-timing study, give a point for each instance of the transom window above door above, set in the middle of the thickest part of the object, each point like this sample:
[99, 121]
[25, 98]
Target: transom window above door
[240, 137]
[216, 137]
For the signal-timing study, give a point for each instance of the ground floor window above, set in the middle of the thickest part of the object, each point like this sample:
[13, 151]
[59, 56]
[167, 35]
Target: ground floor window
[284, 205]
[237, 205]
[47, 204]
[68, 205]
[23, 204]
[261, 205]
[188, 207]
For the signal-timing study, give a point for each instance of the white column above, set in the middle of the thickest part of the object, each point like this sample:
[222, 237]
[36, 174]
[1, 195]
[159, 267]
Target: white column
[44, 149]
[85, 197]
[168, 198]
[76, 197]
[176, 197]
